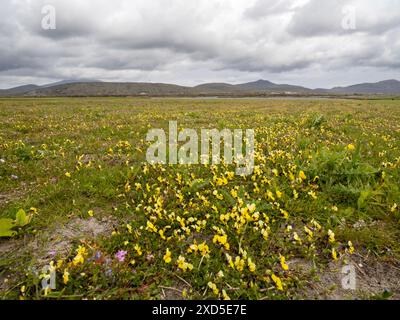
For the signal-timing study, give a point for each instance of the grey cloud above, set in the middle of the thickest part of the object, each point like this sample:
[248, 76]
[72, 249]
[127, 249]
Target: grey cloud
[266, 8]
[317, 18]
[179, 41]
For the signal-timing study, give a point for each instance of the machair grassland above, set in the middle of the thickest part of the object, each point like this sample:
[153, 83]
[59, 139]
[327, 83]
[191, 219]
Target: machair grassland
[324, 194]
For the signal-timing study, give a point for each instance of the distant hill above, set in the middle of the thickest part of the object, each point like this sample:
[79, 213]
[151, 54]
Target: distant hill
[111, 89]
[382, 87]
[59, 83]
[217, 88]
[21, 90]
[18, 90]
[76, 88]
[264, 85]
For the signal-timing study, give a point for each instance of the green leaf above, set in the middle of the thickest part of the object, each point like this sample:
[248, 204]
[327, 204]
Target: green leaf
[7, 233]
[364, 195]
[228, 198]
[21, 219]
[199, 184]
[6, 226]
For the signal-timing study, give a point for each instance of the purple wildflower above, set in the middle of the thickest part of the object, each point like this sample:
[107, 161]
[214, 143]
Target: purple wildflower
[120, 255]
[52, 253]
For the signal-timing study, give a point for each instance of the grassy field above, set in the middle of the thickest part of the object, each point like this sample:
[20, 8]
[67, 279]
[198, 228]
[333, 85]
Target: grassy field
[324, 194]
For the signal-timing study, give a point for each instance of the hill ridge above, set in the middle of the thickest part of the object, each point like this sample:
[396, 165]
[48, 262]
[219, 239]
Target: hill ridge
[98, 88]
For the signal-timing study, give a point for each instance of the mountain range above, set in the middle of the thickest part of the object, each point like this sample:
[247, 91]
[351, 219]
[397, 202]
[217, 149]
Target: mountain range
[261, 87]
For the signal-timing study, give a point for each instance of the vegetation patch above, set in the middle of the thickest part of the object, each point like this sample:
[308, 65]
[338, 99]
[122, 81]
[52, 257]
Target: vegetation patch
[323, 195]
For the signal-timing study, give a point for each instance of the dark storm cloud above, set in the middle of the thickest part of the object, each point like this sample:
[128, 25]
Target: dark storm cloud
[184, 41]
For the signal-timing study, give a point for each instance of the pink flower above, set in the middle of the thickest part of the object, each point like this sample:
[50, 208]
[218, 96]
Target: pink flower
[120, 255]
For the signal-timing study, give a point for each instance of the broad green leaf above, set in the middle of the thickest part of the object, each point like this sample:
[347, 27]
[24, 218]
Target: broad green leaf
[6, 226]
[21, 218]
[7, 233]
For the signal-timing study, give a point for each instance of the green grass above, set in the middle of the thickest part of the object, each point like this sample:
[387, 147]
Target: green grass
[43, 139]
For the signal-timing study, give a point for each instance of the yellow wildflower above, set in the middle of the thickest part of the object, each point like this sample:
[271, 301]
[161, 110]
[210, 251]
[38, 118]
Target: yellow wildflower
[230, 261]
[302, 175]
[239, 264]
[214, 288]
[183, 265]
[296, 237]
[150, 227]
[309, 232]
[251, 265]
[265, 234]
[167, 257]
[350, 147]
[80, 256]
[129, 227]
[222, 240]
[351, 248]
[204, 249]
[285, 214]
[316, 224]
[161, 233]
[278, 282]
[225, 295]
[334, 254]
[312, 195]
[138, 250]
[331, 236]
[270, 195]
[283, 263]
[65, 276]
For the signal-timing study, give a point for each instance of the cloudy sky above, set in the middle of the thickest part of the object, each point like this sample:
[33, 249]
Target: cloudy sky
[316, 43]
